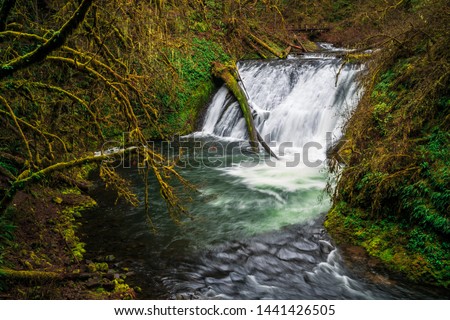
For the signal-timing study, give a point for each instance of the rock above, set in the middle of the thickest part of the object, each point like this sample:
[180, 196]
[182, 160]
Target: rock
[92, 283]
[325, 246]
[289, 255]
[305, 245]
[236, 277]
[108, 285]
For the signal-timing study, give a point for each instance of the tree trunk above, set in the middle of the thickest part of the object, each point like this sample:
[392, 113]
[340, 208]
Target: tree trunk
[232, 78]
[37, 275]
[224, 72]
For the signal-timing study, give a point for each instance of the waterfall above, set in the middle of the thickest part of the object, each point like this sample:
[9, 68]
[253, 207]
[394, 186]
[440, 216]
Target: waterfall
[296, 100]
[255, 229]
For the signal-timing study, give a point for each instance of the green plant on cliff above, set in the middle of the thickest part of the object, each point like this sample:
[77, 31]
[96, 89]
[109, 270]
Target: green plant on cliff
[194, 84]
[397, 151]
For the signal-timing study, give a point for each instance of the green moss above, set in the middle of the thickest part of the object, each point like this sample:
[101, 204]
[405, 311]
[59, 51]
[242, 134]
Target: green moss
[71, 190]
[185, 98]
[394, 197]
[387, 255]
[122, 289]
[422, 256]
[101, 266]
[310, 45]
[68, 226]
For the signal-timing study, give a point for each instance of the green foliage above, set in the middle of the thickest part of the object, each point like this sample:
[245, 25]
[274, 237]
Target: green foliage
[429, 245]
[195, 84]
[341, 9]
[370, 179]
[69, 225]
[420, 254]
[382, 116]
[195, 68]
[428, 199]
[384, 95]
[394, 197]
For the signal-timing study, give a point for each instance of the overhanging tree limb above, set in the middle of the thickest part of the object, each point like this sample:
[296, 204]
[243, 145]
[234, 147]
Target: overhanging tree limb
[74, 98]
[55, 42]
[25, 178]
[37, 130]
[19, 128]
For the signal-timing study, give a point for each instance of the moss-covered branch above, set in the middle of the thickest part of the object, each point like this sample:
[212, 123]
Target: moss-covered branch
[18, 127]
[225, 73]
[55, 42]
[29, 274]
[231, 76]
[39, 131]
[40, 275]
[27, 177]
[282, 54]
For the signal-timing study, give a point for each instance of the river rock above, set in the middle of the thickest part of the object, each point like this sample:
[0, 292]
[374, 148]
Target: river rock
[325, 246]
[289, 255]
[305, 245]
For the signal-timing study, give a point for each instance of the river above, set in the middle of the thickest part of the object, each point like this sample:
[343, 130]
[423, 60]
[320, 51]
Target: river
[256, 227]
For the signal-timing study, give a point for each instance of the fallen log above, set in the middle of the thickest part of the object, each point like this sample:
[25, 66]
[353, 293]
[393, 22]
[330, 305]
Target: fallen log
[38, 275]
[282, 54]
[232, 79]
[266, 146]
[256, 48]
[300, 43]
[297, 47]
[226, 74]
[260, 139]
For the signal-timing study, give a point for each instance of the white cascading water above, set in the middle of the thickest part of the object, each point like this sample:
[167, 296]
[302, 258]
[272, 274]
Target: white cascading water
[298, 104]
[294, 102]
[255, 229]
[297, 101]
[263, 220]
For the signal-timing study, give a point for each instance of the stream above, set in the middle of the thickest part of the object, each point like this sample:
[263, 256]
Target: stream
[256, 230]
